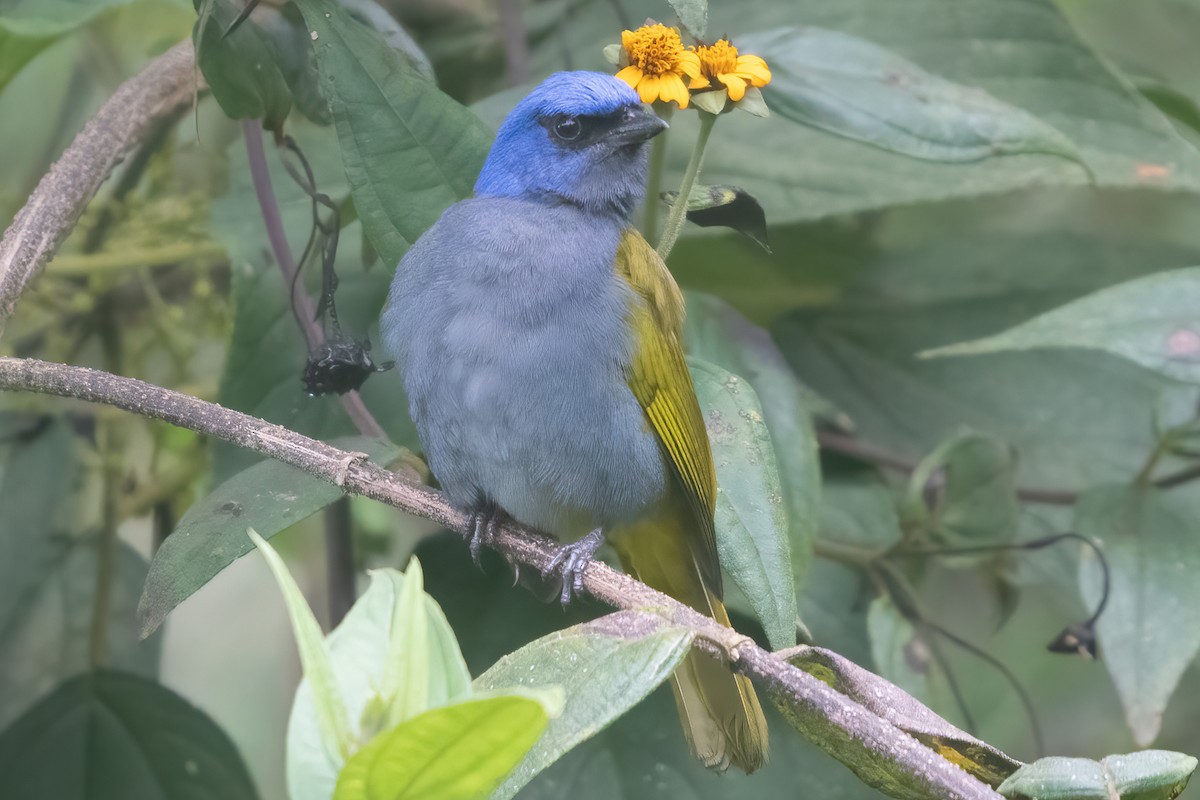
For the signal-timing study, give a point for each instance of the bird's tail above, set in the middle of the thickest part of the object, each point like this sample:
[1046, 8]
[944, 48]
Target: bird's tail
[721, 716]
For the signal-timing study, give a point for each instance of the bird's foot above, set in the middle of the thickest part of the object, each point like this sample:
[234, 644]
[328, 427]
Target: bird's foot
[571, 560]
[483, 524]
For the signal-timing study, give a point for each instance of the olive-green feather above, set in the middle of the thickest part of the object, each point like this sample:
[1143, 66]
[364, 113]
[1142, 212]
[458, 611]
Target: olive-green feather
[673, 548]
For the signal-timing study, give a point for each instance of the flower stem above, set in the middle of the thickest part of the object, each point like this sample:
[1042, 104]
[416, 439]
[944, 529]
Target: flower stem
[679, 207]
[658, 159]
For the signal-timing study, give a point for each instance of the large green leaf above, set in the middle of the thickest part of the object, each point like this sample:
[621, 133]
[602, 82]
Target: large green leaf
[107, 735]
[859, 510]
[37, 471]
[752, 534]
[1151, 321]
[48, 637]
[1148, 775]
[1036, 62]
[855, 88]
[269, 497]
[717, 333]
[1074, 418]
[1150, 629]
[243, 68]
[409, 150]
[458, 752]
[29, 26]
[393, 656]
[604, 667]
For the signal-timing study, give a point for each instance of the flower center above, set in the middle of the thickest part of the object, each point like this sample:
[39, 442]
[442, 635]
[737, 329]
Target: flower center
[719, 58]
[655, 49]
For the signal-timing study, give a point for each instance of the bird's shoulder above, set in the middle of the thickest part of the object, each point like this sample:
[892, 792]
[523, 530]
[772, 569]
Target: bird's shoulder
[642, 268]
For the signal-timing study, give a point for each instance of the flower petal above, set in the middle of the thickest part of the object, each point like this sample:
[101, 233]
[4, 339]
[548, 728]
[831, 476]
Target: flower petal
[735, 85]
[648, 88]
[672, 88]
[689, 63]
[627, 40]
[753, 69]
[631, 75]
[699, 82]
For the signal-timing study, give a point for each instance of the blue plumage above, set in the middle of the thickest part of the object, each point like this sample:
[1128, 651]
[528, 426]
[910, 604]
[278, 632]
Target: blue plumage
[508, 322]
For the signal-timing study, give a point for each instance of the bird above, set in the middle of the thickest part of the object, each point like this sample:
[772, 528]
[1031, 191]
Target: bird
[539, 339]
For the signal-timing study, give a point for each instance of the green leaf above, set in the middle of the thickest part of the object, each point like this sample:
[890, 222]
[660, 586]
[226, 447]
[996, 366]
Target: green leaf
[1150, 629]
[752, 530]
[333, 723]
[47, 638]
[242, 69]
[905, 655]
[644, 750]
[854, 88]
[1075, 418]
[38, 465]
[858, 509]
[269, 497]
[457, 752]
[898, 707]
[717, 333]
[605, 667]
[29, 26]
[409, 150]
[725, 207]
[693, 15]
[1150, 321]
[1148, 775]
[975, 500]
[393, 656]
[109, 734]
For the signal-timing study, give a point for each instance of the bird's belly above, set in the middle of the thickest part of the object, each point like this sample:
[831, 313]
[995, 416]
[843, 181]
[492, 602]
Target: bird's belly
[545, 427]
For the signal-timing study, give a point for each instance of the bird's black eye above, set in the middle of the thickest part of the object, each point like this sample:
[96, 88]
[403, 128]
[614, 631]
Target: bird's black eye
[568, 129]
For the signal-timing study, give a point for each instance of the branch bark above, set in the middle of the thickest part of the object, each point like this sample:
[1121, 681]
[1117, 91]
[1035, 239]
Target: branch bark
[878, 751]
[124, 120]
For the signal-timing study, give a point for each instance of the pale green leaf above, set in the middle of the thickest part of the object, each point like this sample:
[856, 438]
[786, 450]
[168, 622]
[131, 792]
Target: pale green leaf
[605, 667]
[457, 752]
[393, 656]
[1150, 629]
[1148, 775]
[718, 333]
[332, 719]
[1151, 321]
[752, 530]
[29, 26]
[855, 88]
[975, 501]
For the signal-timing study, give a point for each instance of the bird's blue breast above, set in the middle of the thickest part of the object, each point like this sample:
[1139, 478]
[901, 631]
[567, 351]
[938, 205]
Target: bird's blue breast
[511, 330]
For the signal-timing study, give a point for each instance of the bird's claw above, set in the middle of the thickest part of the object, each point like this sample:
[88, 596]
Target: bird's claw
[570, 561]
[483, 524]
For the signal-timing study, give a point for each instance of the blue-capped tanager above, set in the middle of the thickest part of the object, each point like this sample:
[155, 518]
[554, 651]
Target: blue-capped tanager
[539, 339]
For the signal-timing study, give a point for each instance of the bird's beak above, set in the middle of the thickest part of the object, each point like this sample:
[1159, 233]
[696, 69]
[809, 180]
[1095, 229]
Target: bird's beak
[639, 124]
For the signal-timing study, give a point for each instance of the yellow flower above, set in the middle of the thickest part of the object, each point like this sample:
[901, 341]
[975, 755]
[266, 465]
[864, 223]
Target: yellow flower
[720, 61]
[657, 64]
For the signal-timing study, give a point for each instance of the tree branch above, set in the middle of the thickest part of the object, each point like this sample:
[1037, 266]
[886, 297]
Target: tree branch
[124, 120]
[878, 751]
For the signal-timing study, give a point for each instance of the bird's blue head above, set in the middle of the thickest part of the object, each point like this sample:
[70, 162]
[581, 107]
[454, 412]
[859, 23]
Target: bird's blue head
[578, 138]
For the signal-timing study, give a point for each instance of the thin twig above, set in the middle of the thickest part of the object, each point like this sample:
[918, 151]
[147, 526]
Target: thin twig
[125, 120]
[306, 313]
[879, 752]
